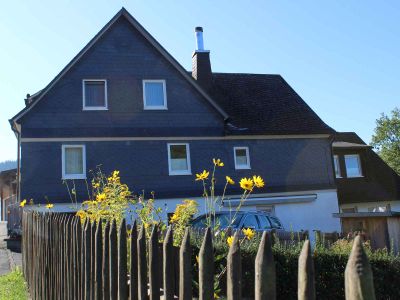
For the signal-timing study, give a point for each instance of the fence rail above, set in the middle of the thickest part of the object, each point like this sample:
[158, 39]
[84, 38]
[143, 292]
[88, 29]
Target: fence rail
[63, 259]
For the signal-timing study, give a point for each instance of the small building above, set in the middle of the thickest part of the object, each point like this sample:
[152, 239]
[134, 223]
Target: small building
[368, 192]
[8, 191]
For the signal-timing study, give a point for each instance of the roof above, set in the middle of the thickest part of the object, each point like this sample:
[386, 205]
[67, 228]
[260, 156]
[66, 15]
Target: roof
[264, 104]
[252, 104]
[32, 100]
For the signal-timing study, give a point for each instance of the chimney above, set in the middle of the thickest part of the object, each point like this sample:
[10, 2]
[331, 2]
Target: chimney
[201, 66]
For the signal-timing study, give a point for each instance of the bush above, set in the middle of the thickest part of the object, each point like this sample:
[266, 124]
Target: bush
[329, 263]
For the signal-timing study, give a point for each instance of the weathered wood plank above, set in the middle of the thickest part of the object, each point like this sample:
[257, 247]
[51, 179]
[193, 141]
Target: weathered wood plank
[234, 270]
[168, 265]
[142, 264]
[106, 262]
[359, 284]
[122, 263]
[206, 268]
[113, 261]
[98, 265]
[306, 278]
[133, 288]
[154, 267]
[265, 274]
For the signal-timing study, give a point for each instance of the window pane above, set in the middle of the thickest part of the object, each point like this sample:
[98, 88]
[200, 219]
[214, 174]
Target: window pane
[95, 94]
[264, 222]
[250, 222]
[241, 157]
[154, 93]
[178, 158]
[352, 165]
[337, 167]
[73, 161]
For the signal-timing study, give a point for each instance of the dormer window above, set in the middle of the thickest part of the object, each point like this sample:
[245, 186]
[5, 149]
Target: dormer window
[353, 165]
[95, 94]
[154, 94]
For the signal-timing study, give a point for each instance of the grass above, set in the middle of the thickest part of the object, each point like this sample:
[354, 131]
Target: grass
[13, 286]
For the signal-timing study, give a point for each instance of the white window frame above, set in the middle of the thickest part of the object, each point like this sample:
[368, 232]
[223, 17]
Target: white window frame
[183, 172]
[336, 159]
[73, 176]
[105, 107]
[242, 167]
[152, 107]
[359, 165]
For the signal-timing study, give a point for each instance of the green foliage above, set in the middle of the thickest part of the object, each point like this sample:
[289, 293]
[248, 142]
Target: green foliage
[330, 263]
[386, 139]
[13, 286]
[181, 218]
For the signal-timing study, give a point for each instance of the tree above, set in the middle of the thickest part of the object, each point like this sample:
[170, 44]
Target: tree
[386, 139]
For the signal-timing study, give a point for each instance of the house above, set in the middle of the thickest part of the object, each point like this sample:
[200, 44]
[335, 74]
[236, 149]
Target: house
[368, 192]
[125, 103]
[8, 191]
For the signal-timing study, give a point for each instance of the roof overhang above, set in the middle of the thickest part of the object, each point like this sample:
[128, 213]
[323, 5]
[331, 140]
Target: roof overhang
[367, 214]
[347, 145]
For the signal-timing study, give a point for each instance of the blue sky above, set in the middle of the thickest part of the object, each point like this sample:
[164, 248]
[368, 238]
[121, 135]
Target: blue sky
[342, 57]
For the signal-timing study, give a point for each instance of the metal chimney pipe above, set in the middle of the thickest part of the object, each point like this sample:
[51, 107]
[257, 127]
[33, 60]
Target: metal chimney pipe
[199, 38]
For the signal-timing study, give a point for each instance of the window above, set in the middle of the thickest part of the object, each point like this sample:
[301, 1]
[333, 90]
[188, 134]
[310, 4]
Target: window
[154, 94]
[349, 210]
[264, 222]
[353, 166]
[250, 222]
[95, 94]
[242, 159]
[337, 166]
[179, 159]
[73, 162]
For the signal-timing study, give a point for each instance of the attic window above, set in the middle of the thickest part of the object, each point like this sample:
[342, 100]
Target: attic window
[154, 94]
[95, 94]
[242, 159]
[353, 165]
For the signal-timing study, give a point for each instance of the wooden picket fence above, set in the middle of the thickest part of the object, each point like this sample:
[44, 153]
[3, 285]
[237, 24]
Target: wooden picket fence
[63, 259]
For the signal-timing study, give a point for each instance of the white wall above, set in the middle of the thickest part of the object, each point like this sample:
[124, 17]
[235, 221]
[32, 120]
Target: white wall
[363, 207]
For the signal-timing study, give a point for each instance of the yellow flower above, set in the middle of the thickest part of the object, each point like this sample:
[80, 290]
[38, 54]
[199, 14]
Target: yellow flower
[174, 218]
[115, 174]
[216, 295]
[249, 233]
[197, 259]
[229, 180]
[23, 202]
[96, 185]
[246, 184]
[101, 197]
[81, 214]
[48, 206]
[217, 162]
[230, 240]
[258, 181]
[202, 176]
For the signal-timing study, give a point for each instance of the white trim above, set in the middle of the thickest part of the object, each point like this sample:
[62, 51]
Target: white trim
[152, 107]
[242, 167]
[185, 172]
[84, 107]
[73, 176]
[172, 138]
[359, 165]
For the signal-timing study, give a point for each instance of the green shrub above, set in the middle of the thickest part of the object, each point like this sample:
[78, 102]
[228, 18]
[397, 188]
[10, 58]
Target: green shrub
[330, 264]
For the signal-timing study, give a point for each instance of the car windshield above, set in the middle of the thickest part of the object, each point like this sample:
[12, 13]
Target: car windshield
[223, 220]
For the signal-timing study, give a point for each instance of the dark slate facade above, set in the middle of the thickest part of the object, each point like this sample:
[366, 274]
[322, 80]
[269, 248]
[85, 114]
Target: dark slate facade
[289, 145]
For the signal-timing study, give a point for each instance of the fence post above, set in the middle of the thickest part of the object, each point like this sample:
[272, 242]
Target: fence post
[185, 267]
[142, 264]
[133, 288]
[87, 250]
[206, 268]
[306, 284]
[359, 284]
[154, 265]
[78, 232]
[93, 258]
[234, 270]
[168, 265]
[265, 273]
[98, 257]
[122, 263]
[113, 261]
[106, 262]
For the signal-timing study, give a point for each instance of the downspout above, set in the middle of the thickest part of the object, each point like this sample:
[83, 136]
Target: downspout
[18, 166]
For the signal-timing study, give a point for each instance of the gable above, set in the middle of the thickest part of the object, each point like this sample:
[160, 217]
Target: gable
[124, 57]
[124, 54]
